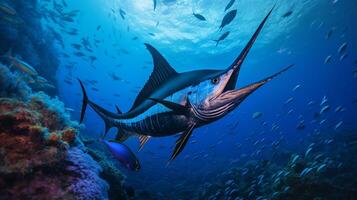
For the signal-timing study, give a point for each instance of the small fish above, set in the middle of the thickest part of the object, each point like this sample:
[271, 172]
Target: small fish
[228, 18]
[342, 48]
[92, 59]
[123, 154]
[324, 100]
[343, 56]
[328, 59]
[329, 33]
[301, 125]
[338, 125]
[155, 3]
[321, 168]
[256, 115]
[76, 46]
[222, 37]
[4, 8]
[40, 79]
[114, 76]
[305, 172]
[79, 54]
[48, 85]
[122, 13]
[99, 27]
[20, 64]
[308, 151]
[287, 14]
[229, 5]
[339, 109]
[199, 16]
[324, 109]
[296, 87]
[291, 99]
[64, 3]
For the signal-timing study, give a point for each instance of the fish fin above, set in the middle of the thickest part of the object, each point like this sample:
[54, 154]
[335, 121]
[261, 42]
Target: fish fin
[98, 109]
[182, 141]
[84, 101]
[177, 108]
[118, 110]
[143, 139]
[122, 135]
[162, 72]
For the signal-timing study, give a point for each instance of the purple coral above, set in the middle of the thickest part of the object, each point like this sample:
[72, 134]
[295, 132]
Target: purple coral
[88, 184]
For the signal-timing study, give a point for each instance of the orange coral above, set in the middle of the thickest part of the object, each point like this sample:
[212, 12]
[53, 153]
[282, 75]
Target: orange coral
[53, 138]
[69, 135]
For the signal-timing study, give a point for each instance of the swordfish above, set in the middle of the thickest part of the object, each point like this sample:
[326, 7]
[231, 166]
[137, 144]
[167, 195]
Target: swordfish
[172, 103]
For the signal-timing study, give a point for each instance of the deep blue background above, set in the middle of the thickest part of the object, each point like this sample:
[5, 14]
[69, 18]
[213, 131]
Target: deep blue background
[187, 45]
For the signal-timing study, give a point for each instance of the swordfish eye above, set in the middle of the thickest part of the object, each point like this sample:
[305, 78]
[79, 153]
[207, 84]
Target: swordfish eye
[215, 81]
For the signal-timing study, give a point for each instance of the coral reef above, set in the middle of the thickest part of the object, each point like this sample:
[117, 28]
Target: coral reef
[111, 174]
[88, 185]
[11, 85]
[40, 155]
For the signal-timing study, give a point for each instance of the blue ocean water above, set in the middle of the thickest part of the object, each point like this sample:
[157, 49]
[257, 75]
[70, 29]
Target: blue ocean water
[122, 65]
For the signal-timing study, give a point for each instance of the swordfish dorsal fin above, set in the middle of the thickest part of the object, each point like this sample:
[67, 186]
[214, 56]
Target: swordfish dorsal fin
[161, 73]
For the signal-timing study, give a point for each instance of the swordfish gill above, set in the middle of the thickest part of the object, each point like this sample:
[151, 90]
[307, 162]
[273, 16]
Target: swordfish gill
[171, 103]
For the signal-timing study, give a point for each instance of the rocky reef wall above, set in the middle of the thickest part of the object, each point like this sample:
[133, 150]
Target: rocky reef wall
[41, 154]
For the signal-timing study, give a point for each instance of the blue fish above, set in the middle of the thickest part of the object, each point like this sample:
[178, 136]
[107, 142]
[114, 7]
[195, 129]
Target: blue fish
[123, 154]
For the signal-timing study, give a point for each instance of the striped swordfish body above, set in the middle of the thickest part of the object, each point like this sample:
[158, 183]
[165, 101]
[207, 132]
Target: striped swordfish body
[172, 102]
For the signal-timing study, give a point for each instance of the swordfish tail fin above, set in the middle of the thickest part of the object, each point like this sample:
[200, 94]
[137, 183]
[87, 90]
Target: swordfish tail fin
[84, 101]
[107, 116]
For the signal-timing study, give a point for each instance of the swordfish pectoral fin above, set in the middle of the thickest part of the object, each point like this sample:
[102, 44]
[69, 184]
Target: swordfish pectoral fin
[177, 108]
[182, 141]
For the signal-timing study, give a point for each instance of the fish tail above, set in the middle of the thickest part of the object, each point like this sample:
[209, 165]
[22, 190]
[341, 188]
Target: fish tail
[217, 41]
[106, 115]
[84, 101]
